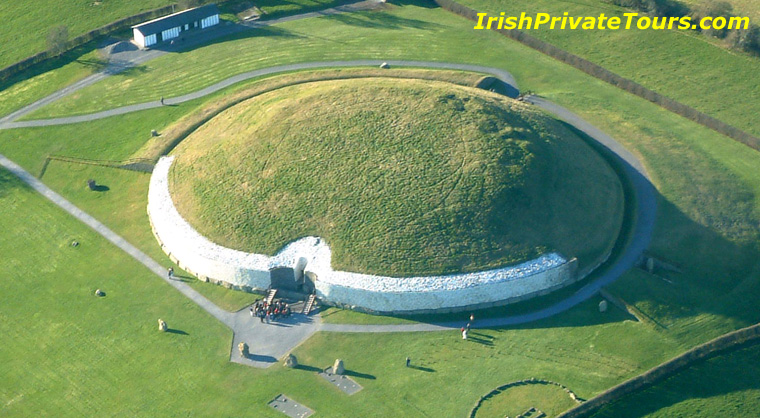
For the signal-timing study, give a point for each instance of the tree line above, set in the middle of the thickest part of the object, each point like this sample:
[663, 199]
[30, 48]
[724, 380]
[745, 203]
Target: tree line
[745, 39]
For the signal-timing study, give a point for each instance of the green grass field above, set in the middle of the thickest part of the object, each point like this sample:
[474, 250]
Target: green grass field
[28, 22]
[480, 177]
[711, 79]
[68, 353]
[61, 352]
[549, 399]
[726, 385]
[691, 70]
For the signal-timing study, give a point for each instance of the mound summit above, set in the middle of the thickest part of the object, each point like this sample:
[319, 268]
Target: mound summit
[400, 177]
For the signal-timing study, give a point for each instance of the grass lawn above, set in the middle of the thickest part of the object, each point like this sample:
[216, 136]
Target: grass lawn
[479, 176]
[725, 385]
[690, 69]
[711, 79]
[47, 78]
[28, 22]
[516, 400]
[70, 353]
[707, 223]
[659, 137]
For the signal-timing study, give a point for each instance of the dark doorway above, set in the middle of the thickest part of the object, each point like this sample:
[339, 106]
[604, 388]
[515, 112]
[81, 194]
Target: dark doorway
[284, 278]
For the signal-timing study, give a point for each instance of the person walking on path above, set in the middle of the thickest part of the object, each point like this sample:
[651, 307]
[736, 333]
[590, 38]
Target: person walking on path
[171, 272]
[251, 311]
[464, 333]
[162, 100]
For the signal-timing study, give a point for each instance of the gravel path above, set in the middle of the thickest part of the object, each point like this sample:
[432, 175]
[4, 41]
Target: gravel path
[270, 342]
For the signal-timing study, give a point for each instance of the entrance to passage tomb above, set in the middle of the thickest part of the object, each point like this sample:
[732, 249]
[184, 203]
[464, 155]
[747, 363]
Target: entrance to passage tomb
[284, 278]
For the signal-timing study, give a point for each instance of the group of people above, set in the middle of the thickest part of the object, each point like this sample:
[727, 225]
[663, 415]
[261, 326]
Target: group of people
[270, 312]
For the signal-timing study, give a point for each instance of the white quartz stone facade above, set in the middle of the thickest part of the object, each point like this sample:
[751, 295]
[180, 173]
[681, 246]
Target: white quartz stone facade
[312, 256]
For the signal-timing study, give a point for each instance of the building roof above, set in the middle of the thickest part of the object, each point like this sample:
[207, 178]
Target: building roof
[177, 19]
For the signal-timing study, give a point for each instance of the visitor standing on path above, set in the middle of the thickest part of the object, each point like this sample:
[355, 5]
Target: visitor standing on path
[251, 311]
[171, 272]
[162, 100]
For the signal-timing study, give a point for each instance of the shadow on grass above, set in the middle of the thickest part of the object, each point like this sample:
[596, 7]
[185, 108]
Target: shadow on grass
[710, 380]
[225, 33]
[422, 369]
[361, 375]
[7, 182]
[176, 331]
[308, 368]
[380, 20]
[100, 188]
[425, 4]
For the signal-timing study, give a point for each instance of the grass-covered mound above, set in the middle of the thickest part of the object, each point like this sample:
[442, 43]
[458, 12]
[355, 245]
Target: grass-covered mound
[400, 177]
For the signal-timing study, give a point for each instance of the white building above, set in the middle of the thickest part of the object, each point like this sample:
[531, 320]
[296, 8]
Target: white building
[166, 28]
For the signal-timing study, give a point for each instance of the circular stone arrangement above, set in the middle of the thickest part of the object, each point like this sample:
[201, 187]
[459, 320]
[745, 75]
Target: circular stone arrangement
[420, 183]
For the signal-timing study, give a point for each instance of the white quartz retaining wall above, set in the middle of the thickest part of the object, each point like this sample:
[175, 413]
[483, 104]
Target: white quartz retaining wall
[209, 261]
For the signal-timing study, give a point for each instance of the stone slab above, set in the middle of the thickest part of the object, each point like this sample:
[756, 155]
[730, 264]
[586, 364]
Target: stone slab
[290, 407]
[342, 382]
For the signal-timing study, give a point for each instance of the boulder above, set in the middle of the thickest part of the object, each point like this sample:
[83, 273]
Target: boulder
[99, 292]
[385, 65]
[243, 347]
[162, 325]
[650, 264]
[291, 361]
[603, 306]
[338, 367]
[91, 184]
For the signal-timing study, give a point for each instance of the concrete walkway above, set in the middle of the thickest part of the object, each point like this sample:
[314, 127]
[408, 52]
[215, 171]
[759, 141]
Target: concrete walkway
[641, 235]
[269, 342]
[504, 76]
[122, 61]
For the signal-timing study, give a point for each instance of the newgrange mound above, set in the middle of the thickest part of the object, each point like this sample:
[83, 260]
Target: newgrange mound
[400, 177]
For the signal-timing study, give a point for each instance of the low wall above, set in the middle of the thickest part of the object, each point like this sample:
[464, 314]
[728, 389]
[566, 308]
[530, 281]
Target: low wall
[311, 255]
[724, 343]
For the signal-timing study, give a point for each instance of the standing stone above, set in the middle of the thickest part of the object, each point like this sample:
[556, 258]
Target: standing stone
[162, 325]
[291, 361]
[338, 367]
[650, 264]
[99, 293]
[243, 347]
[385, 65]
[603, 306]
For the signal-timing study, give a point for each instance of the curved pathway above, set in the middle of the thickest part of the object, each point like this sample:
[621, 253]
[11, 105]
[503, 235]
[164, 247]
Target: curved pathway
[270, 342]
[9, 122]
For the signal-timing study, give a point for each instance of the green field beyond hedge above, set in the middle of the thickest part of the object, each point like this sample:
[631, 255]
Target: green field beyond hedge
[400, 177]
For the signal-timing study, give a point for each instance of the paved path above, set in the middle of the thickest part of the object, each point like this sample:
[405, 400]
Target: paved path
[270, 342]
[504, 76]
[640, 237]
[124, 60]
